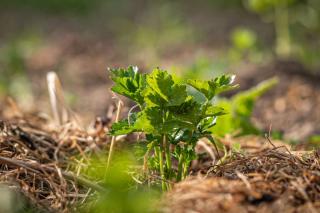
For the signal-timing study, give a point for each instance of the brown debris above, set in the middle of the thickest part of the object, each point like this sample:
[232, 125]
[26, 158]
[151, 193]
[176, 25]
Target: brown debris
[40, 161]
[269, 180]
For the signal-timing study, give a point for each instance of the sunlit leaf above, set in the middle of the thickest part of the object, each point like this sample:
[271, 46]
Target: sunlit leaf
[163, 90]
[129, 82]
[213, 87]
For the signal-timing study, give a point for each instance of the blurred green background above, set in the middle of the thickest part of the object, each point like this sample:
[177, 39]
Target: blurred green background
[79, 39]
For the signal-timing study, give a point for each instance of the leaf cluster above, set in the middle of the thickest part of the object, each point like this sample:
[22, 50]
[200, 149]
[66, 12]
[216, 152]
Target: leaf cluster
[165, 102]
[174, 114]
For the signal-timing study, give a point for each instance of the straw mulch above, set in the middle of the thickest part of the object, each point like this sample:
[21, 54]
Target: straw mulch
[269, 180]
[43, 161]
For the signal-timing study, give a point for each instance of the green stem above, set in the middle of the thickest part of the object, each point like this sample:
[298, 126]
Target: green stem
[166, 146]
[185, 170]
[180, 167]
[156, 152]
[163, 182]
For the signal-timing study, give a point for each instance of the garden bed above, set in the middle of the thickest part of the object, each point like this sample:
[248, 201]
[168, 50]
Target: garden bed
[270, 180]
[37, 158]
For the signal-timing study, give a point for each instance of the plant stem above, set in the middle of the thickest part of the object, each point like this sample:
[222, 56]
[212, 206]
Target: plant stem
[163, 183]
[185, 169]
[166, 146]
[113, 139]
[180, 165]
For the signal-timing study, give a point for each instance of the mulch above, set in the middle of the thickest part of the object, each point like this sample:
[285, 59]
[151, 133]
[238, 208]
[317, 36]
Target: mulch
[272, 179]
[43, 161]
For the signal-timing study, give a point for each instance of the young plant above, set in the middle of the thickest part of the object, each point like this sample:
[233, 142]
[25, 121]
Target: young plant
[174, 115]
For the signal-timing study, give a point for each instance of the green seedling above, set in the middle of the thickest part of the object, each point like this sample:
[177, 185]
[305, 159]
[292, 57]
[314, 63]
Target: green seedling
[174, 114]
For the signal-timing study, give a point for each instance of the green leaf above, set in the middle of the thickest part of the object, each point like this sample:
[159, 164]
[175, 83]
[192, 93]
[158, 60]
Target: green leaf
[214, 111]
[124, 126]
[151, 121]
[213, 87]
[189, 112]
[129, 83]
[223, 83]
[206, 123]
[192, 112]
[203, 87]
[120, 128]
[163, 90]
[209, 118]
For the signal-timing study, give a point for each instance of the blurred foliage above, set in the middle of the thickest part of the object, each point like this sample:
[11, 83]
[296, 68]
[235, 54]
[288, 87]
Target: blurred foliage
[123, 193]
[203, 67]
[14, 80]
[148, 30]
[160, 28]
[223, 3]
[314, 141]
[245, 47]
[243, 39]
[296, 24]
[261, 6]
[240, 108]
[278, 10]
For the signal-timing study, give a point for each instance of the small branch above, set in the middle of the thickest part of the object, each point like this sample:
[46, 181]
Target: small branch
[38, 169]
[268, 136]
[113, 139]
[17, 163]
